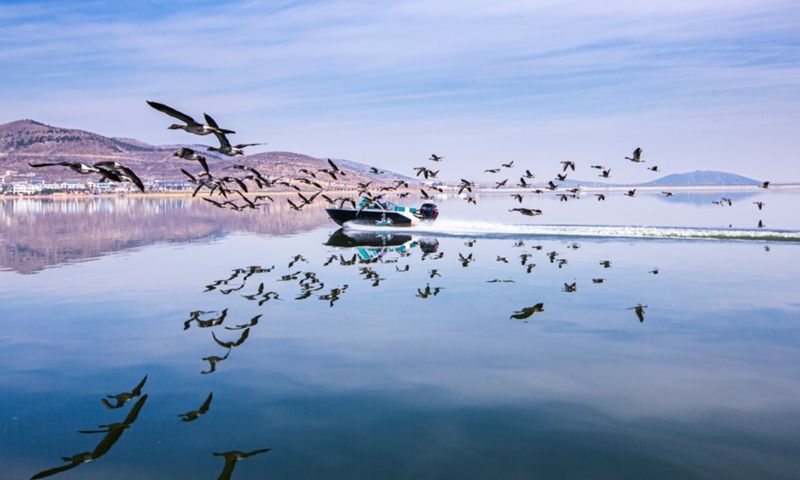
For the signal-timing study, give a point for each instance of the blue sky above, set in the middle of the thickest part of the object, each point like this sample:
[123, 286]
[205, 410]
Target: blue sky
[699, 85]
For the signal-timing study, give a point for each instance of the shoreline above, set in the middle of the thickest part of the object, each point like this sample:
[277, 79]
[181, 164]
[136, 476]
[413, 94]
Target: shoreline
[449, 191]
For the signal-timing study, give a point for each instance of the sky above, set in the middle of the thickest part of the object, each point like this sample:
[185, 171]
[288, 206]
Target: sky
[698, 85]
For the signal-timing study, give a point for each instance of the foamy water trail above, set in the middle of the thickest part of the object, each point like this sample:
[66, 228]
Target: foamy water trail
[459, 228]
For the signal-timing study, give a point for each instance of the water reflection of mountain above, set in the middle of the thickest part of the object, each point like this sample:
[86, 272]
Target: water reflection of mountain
[40, 233]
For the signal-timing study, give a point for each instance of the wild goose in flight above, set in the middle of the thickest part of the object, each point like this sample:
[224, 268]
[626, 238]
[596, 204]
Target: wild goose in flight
[527, 312]
[195, 414]
[491, 170]
[637, 156]
[191, 125]
[568, 164]
[667, 194]
[630, 193]
[639, 309]
[530, 212]
[765, 185]
[435, 158]
[605, 173]
[654, 168]
[760, 205]
[600, 197]
[189, 154]
[560, 177]
[571, 287]
[518, 197]
[225, 146]
[508, 165]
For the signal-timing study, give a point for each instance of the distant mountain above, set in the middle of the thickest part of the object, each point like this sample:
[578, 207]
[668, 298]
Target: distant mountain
[26, 141]
[702, 177]
[689, 179]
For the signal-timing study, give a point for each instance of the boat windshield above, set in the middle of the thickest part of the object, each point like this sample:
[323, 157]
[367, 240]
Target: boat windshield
[376, 204]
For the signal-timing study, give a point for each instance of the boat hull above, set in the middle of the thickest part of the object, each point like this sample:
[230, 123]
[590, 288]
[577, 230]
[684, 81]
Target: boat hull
[369, 217]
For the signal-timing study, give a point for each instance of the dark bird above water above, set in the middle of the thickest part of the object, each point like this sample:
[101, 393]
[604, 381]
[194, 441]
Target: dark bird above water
[760, 205]
[530, 212]
[568, 164]
[191, 125]
[528, 311]
[570, 287]
[600, 197]
[631, 193]
[435, 158]
[639, 309]
[195, 414]
[765, 185]
[654, 168]
[667, 194]
[637, 156]
[508, 165]
[605, 173]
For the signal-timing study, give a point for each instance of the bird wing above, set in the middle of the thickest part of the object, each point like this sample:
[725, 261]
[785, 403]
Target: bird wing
[172, 112]
[204, 407]
[223, 140]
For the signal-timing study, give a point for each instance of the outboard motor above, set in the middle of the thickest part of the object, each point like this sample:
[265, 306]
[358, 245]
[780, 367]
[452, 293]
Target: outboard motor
[428, 211]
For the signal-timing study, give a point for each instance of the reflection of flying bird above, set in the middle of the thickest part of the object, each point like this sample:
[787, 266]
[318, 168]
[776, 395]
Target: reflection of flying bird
[195, 414]
[121, 399]
[234, 456]
[113, 432]
[252, 323]
[234, 343]
[213, 361]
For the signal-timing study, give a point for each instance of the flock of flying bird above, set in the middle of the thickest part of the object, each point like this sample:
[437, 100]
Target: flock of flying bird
[247, 189]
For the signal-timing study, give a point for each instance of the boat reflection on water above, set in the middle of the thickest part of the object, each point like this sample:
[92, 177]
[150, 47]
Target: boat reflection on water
[372, 246]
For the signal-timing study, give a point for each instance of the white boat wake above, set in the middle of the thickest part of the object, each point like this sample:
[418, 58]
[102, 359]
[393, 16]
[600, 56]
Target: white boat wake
[461, 228]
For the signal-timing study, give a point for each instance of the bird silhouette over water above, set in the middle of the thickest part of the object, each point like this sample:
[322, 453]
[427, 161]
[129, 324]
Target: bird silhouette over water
[637, 156]
[121, 399]
[193, 415]
[526, 312]
[639, 310]
[760, 205]
[234, 456]
[530, 212]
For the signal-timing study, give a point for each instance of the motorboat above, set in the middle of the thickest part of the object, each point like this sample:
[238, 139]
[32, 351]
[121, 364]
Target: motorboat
[381, 213]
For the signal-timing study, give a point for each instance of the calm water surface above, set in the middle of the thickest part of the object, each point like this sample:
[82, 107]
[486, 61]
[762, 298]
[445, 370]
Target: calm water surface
[360, 371]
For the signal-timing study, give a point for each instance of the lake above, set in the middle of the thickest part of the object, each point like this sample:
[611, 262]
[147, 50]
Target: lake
[585, 343]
